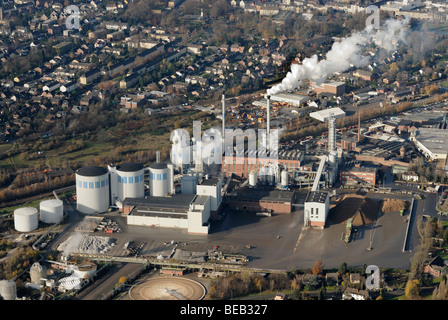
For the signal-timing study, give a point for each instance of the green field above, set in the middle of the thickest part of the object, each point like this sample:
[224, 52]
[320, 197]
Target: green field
[119, 142]
[34, 204]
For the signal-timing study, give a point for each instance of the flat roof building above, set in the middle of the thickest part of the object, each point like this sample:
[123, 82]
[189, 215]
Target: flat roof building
[317, 206]
[289, 98]
[288, 159]
[432, 142]
[263, 199]
[324, 115]
[358, 175]
[184, 211]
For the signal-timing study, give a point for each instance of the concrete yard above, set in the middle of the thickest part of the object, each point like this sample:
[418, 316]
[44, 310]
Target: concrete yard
[280, 242]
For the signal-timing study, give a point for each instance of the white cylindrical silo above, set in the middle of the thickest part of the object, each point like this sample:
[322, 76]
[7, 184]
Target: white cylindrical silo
[92, 189]
[181, 149]
[284, 179]
[8, 289]
[158, 179]
[188, 184]
[263, 175]
[85, 270]
[271, 175]
[26, 219]
[38, 273]
[252, 179]
[130, 181]
[51, 211]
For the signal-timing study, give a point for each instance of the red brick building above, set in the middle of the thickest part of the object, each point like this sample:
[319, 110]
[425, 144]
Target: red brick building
[358, 175]
[290, 160]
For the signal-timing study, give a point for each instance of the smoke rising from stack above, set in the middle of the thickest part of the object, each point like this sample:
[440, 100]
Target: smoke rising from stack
[343, 54]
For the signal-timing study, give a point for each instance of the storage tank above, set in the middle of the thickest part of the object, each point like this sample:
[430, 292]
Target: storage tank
[271, 175]
[158, 179]
[130, 181]
[8, 289]
[181, 149]
[188, 184]
[38, 273]
[263, 175]
[284, 179]
[252, 179]
[85, 270]
[51, 211]
[92, 189]
[26, 219]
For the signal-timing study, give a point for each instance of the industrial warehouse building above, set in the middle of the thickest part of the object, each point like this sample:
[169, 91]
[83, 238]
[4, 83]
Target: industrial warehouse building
[431, 142]
[289, 98]
[184, 211]
[336, 88]
[358, 175]
[263, 199]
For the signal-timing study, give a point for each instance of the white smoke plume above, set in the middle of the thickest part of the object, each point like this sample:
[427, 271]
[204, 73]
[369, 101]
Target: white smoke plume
[343, 54]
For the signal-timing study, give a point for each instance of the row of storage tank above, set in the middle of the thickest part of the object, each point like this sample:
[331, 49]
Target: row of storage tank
[98, 188]
[26, 219]
[269, 176]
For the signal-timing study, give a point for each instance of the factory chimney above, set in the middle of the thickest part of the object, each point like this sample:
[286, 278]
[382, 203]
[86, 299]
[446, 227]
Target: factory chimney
[158, 156]
[332, 133]
[268, 121]
[359, 126]
[223, 121]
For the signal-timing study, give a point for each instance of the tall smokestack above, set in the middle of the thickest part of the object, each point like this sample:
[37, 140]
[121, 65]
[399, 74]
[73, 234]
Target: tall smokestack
[268, 121]
[223, 122]
[331, 133]
[359, 126]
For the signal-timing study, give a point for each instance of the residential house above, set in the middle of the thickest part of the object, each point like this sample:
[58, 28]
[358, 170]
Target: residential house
[90, 76]
[88, 99]
[355, 294]
[437, 267]
[130, 80]
[52, 86]
[332, 278]
[410, 176]
[132, 101]
[196, 80]
[69, 87]
[355, 278]
[363, 74]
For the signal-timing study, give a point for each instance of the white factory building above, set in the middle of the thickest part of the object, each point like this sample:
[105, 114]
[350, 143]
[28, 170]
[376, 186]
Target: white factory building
[123, 186]
[431, 142]
[317, 206]
[324, 115]
[180, 211]
[190, 210]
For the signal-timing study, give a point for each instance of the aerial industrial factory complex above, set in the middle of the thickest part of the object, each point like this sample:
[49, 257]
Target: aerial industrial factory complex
[148, 197]
[190, 196]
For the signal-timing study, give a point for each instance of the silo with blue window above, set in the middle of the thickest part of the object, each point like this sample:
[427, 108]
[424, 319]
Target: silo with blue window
[159, 177]
[130, 180]
[92, 189]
